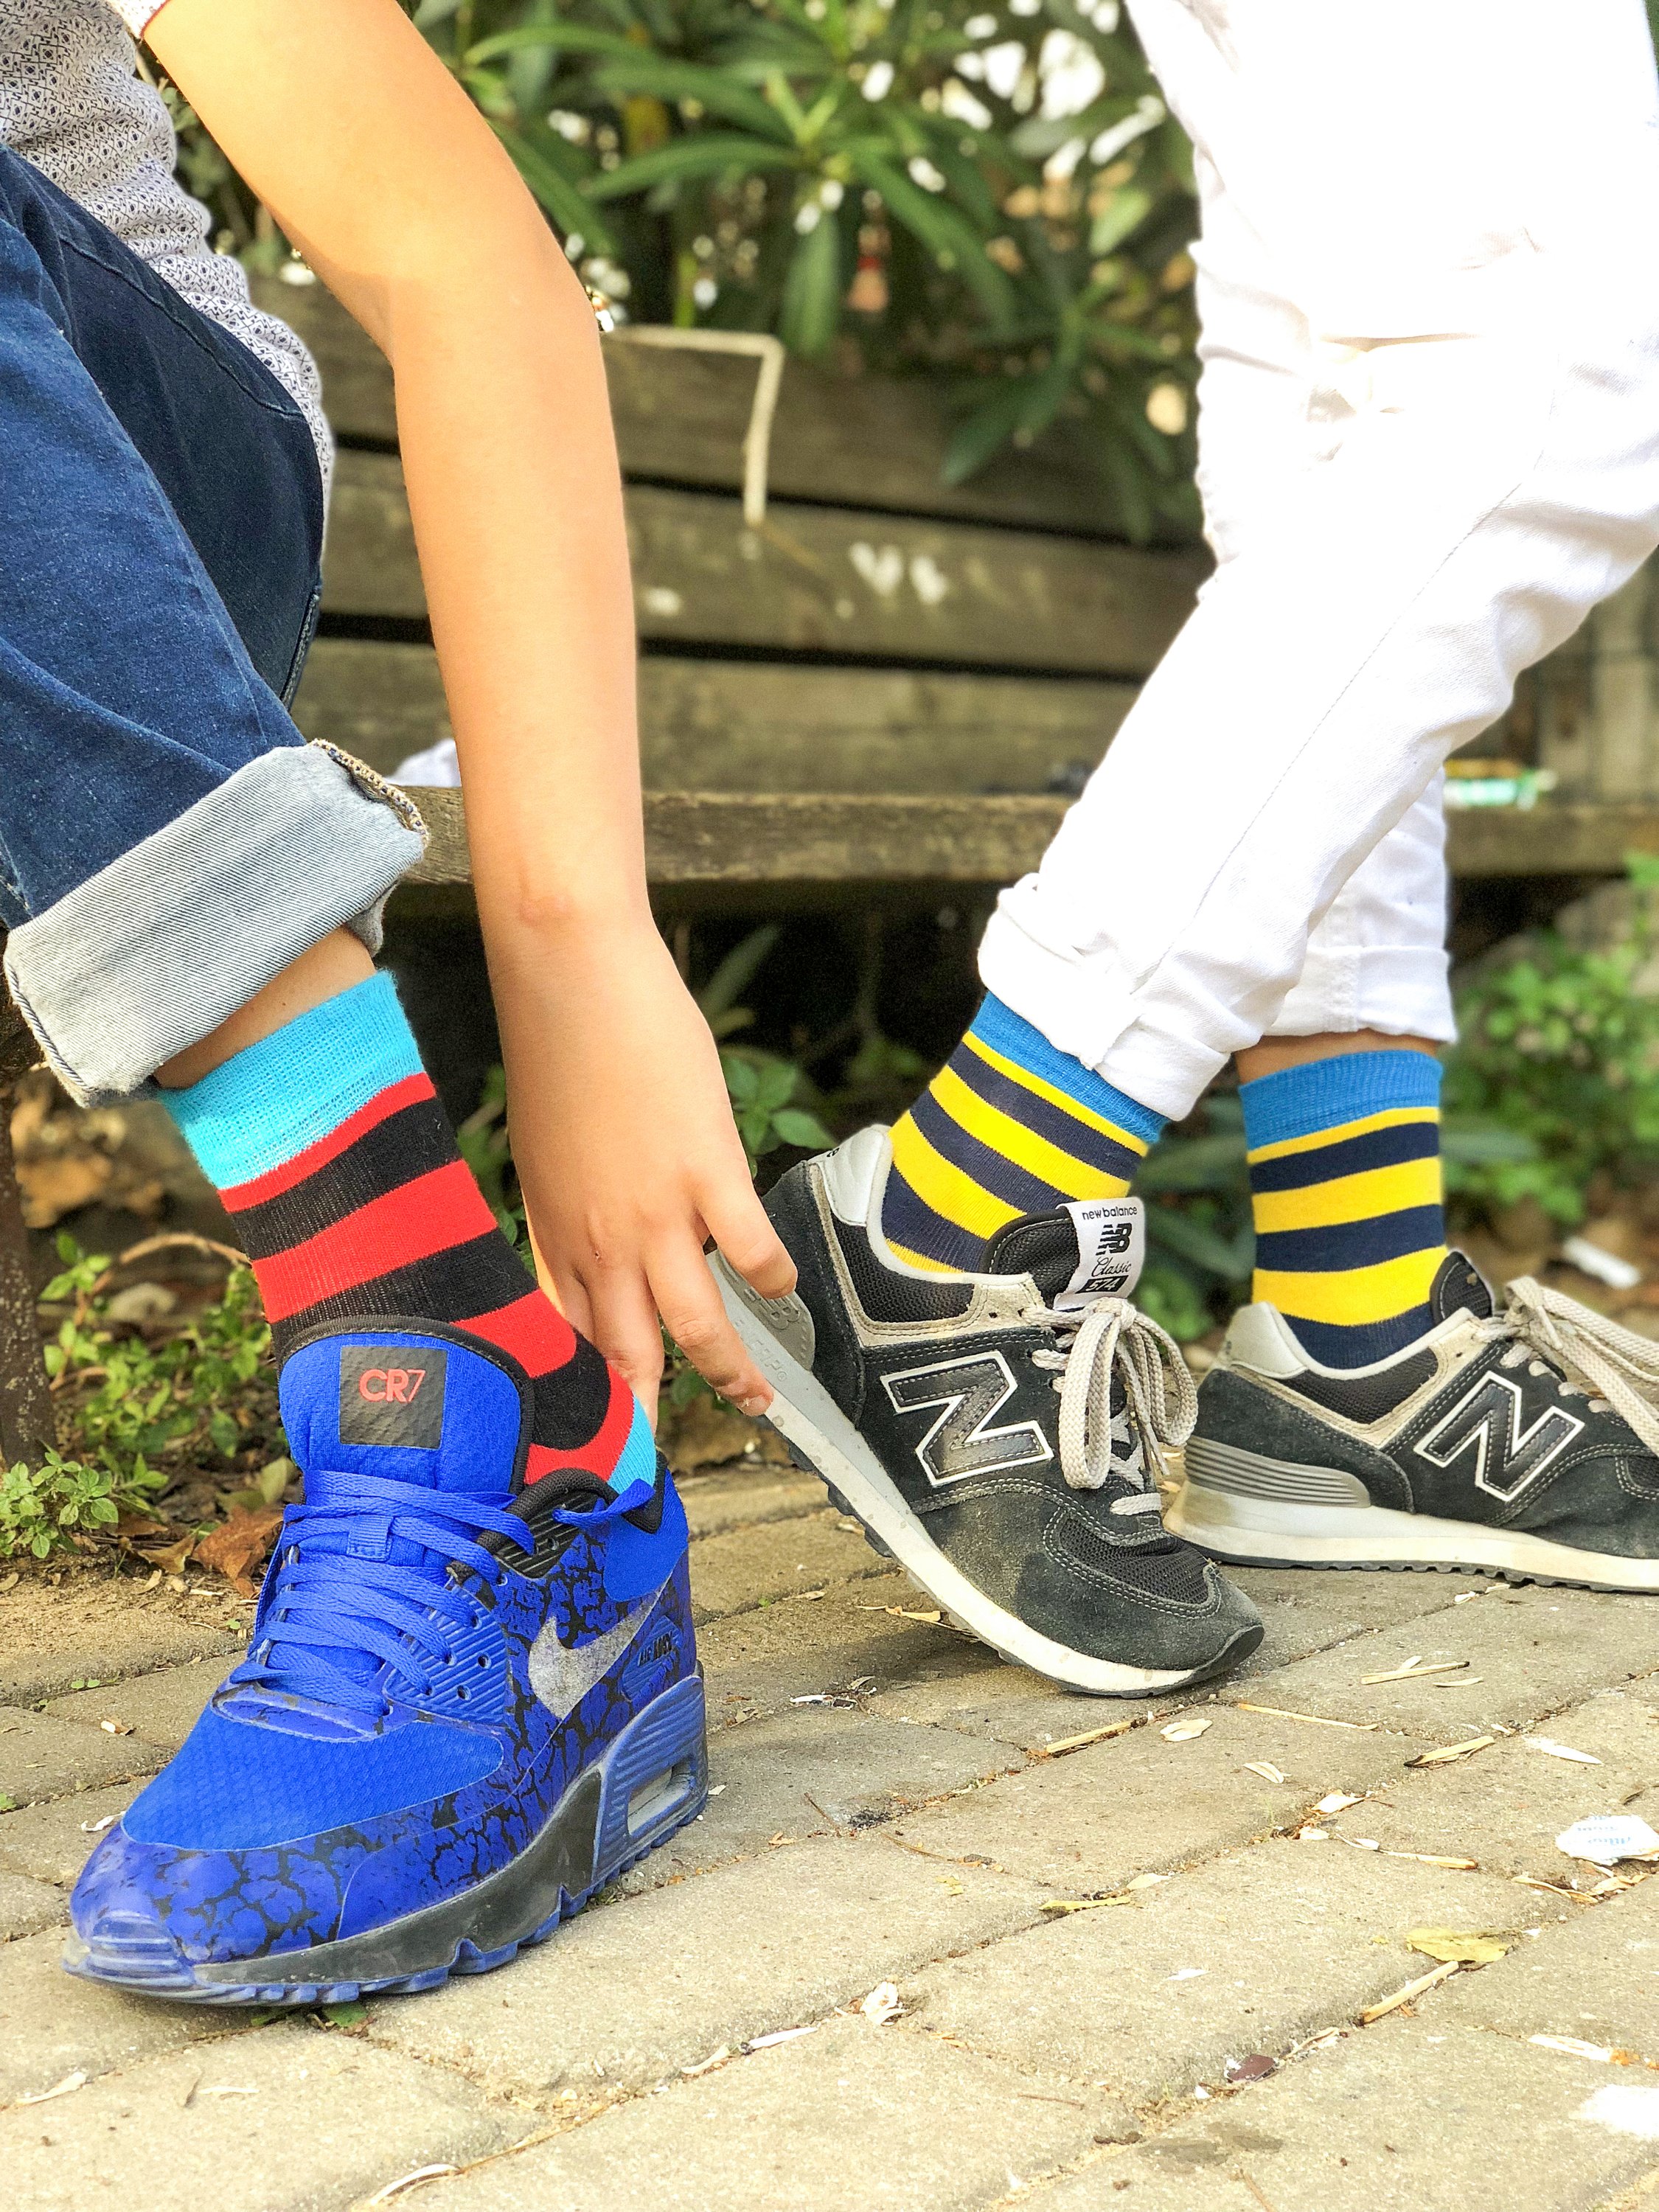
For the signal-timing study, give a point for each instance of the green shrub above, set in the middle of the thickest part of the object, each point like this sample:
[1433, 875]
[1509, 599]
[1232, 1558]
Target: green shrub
[1558, 1055]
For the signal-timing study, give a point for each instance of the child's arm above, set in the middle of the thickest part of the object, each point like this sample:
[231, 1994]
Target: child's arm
[377, 166]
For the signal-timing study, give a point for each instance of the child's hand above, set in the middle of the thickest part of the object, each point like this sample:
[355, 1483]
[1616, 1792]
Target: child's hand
[625, 1146]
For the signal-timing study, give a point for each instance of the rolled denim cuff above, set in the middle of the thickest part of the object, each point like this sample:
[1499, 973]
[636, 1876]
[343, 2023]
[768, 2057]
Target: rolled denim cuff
[153, 952]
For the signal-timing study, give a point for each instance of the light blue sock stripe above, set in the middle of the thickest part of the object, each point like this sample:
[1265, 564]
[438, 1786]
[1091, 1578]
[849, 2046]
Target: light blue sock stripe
[1014, 1037]
[266, 1104]
[1323, 1094]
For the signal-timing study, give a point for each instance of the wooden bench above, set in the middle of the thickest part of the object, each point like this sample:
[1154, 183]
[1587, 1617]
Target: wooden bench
[892, 681]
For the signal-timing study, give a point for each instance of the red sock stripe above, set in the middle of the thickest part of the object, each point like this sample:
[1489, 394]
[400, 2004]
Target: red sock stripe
[531, 1328]
[600, 1454]
[383, 1104]
[428, 1215]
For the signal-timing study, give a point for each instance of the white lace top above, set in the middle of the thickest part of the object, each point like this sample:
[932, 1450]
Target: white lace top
[72, 103]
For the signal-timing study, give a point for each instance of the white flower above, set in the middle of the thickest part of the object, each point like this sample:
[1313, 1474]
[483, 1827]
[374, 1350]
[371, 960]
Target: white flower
[924, 173]
[1070, 74]
[878, 81]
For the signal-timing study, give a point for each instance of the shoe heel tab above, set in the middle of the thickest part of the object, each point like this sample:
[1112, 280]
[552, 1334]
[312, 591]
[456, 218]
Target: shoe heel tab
[1259, 1338]
[855, 1174]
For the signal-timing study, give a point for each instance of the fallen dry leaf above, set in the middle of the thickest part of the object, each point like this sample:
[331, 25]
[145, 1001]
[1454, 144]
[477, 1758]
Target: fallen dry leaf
[168, 1559]
[66, 2088]
[1084, 1904]
[1450, 1945]
[1337, 1802]
[1573, 2047]
[1439, 1859]
[240, 1546]
[882, 2004]
[1265, 1768]
[408, 2181]
[1414, 1668]
[1317, 1720]
[1191, 1725]
[1547, 1744]
[703, 2065]
[779, 2035]
[1448, 1751]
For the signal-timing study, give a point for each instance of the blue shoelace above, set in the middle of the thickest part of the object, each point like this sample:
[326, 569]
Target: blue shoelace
[351, 1599]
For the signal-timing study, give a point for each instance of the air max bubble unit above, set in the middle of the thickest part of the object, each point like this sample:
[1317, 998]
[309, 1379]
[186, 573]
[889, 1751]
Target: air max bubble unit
[1523, 1443]
[469, 1701]
[997, 1434]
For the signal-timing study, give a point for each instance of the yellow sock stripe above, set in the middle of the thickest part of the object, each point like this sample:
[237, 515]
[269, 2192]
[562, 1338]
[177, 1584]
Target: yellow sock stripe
[919, 1260]
[1354, 1296]
[1396, 1117]
[1063, 1099]
[1072, 1178]
[945, 1187]
[1349, 1198]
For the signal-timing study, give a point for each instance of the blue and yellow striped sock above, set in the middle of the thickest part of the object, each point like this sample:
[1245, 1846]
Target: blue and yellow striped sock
[1345, 1189]
[1010, 1125]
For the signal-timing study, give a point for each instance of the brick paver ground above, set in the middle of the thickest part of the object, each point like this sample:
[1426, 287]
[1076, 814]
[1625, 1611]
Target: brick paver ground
[1129, 1974]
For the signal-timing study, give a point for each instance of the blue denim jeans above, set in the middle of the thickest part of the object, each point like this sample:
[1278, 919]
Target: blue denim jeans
[168, 841]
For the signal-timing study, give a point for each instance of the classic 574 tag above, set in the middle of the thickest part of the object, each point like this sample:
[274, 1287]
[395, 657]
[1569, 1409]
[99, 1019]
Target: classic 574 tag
[1111, 1250]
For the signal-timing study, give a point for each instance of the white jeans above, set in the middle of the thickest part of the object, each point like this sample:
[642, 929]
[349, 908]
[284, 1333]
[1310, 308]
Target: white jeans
[1429, 443]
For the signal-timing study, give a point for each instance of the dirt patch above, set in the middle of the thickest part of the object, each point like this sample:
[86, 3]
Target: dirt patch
[64, 1626]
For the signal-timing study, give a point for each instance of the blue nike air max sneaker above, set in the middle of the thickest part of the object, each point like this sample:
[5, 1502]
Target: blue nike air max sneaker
[468, 1702]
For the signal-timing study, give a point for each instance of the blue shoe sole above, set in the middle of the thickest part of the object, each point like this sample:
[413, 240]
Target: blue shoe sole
[649, 1782]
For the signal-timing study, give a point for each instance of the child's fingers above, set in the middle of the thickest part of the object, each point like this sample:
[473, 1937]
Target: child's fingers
[623, 1324]
[693, 1316]
[739, 1224]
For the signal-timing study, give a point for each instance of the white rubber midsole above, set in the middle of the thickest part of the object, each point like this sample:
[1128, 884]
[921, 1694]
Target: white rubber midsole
[1268, 1530]
[804, 1413]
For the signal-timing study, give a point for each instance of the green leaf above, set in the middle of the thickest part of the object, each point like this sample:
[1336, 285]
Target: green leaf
[569, 37]
[930, 218]
[796, 1127]
[666, 79]
[738, 970]
[1125, 212]
[716, 154]
[564, 200]
[1229, 1259]
[811, 313]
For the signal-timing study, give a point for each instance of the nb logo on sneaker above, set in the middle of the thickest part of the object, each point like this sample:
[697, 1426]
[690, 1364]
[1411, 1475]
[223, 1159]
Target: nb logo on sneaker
[962, 1442]
[385, 1400]
[1507, 1457]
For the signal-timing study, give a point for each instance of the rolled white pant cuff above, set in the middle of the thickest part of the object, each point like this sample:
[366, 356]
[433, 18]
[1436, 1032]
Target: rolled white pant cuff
[1079, 1004]
[1082, 1007]
[1399, 990]
[152, 953]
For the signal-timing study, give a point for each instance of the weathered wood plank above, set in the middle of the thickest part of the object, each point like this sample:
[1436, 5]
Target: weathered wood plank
[821, 579]
[744, 726]
[871, 442]
[729, 838]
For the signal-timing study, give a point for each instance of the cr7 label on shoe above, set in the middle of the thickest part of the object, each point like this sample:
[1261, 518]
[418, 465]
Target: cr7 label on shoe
[392, 1395]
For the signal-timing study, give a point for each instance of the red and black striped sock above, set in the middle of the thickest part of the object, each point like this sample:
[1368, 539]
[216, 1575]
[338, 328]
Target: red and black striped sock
[379, 1215]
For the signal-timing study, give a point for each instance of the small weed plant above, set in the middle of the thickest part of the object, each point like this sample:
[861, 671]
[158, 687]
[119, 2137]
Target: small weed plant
[136, 1412]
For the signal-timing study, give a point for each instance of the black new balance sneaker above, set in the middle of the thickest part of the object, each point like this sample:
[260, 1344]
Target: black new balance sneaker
[996, 1434]
[1521, 1444]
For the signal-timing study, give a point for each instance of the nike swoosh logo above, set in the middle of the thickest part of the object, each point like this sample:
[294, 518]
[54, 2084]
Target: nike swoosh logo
[561, 1675]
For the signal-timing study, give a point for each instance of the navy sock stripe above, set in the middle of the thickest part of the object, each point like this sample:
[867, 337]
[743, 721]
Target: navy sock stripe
[1103, 1153]
[1004, 1178]
[1378, 1148]
[910, 1222]
[1359, 1344]
[412, 1142]
[1340, 1245]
